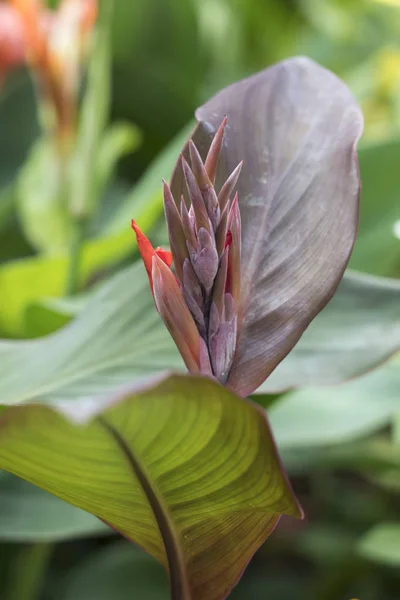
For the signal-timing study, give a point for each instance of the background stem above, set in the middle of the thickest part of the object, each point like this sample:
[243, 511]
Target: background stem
[30, 569]
[77, 239]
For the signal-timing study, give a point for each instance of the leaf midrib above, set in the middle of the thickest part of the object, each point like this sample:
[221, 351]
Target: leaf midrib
[179, 583]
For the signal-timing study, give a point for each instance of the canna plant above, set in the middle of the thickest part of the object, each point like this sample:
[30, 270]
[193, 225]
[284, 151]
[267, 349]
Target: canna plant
[199, 304]
[262, 214]
[239, 301]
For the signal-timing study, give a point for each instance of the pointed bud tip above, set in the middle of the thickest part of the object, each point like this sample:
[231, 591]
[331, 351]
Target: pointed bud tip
[167, 194]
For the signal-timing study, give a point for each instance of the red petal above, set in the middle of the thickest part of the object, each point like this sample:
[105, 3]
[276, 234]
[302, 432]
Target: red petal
[146, 250]
[165, 256]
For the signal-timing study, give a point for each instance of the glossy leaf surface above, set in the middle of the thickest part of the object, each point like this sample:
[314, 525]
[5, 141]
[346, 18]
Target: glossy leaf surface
[184, 468]
[295, 126]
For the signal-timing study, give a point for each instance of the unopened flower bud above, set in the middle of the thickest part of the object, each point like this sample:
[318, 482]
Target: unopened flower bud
[204, 259]
[222, 339]
[193, 294]
[175, 314]
[199, 304]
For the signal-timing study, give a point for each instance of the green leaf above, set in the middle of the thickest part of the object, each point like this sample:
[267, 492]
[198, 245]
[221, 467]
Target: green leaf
[29, 514]
[93, 118]
[374, 458]
[28, 280]
[119, 337]
[118, 140]
[184, 468]
[42, 199]
[320, 416]
[114, 573]
[377, 249]
[50, 314]
[41, 319]
[382, 544]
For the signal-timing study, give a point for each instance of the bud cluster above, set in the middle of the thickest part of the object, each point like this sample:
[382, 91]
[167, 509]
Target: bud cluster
[199, 302]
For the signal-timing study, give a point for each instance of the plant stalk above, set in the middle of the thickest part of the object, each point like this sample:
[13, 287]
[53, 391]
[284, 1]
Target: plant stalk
[30, 571]
[76, 246]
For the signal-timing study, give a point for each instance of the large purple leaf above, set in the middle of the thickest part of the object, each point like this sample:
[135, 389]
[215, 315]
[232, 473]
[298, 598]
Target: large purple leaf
[296, 126]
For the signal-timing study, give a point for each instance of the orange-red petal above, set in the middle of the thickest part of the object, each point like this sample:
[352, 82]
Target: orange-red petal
[146, 250]
[165, 256]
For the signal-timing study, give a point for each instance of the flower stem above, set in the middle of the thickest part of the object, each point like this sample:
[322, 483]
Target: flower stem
[30, 571]
[77, 239]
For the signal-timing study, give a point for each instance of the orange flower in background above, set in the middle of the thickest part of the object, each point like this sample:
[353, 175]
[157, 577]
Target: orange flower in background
[12, 40]
[55, 47]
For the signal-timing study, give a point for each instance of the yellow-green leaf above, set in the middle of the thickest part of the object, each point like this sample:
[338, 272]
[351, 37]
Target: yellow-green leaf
[185, 468]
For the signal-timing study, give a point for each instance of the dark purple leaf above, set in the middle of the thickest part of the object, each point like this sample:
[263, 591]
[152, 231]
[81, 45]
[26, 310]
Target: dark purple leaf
[295, 126]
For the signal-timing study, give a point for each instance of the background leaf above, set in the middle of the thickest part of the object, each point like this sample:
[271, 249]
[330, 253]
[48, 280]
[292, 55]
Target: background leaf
[29, 514]
[119, 337]
[382, 544]
[358, 330]
[321, 416]
[25, 281]
[377, 249]
[42, 199]
[117, 573]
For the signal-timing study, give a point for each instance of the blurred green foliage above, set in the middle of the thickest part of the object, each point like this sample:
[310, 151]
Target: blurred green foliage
[341, 445]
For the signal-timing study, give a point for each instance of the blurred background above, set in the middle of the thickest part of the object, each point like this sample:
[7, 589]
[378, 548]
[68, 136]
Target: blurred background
[168, 56]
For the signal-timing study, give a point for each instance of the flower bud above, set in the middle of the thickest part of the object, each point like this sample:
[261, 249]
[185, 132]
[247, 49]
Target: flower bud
[175, 314]
[199, 305]
[204, 259]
